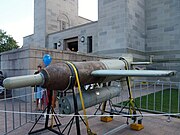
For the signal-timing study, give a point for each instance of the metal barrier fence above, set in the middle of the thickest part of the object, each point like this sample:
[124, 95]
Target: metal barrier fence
[150, 96]
[157, 96]
[14, 111]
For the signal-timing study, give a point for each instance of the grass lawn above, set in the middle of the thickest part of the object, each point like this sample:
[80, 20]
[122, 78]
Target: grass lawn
[162, 101]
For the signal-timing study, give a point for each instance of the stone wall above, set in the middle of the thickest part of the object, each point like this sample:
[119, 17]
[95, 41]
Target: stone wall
[111, 27]
[59, 17]
[163, 32]
[135, 31]
[39, 38]
[162, 25]
[121, 28]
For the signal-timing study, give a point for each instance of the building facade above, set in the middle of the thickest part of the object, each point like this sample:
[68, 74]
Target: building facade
[51, 16]
[163, 32]
[143, 28]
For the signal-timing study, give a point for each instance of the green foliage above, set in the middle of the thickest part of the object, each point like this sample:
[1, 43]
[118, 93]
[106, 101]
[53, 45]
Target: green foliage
[7, 42]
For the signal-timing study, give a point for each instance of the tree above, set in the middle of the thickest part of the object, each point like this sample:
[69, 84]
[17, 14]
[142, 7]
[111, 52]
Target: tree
[7, 42]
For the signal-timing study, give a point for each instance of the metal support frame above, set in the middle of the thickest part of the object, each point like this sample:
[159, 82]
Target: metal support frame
[50, 110]
[76, 117]
[72, 82]
[132, 105]
[103, 110]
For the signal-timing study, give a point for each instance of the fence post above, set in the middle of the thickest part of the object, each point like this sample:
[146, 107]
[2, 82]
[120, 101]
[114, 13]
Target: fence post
[154, 107]
[147, 98]
[179, 98]
[26, 105]
[169, 118]
[170, 97]
[31, 104]
[140, 95]
[162, 97]
[19, 110]
[12, 101]
[5, 113]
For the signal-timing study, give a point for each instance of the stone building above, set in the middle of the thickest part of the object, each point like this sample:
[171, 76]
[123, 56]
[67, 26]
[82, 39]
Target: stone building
[143, 28]
[51, 16]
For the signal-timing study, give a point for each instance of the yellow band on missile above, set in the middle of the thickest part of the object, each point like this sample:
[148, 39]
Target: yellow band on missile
[81, 98]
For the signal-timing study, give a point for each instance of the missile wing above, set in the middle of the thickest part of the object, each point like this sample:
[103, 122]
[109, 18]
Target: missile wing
[133, 73]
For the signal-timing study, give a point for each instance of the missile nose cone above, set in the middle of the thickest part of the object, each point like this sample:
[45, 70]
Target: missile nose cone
[7, 83]
[23, 81]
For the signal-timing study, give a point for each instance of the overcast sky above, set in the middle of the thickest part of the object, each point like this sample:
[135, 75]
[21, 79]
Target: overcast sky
[16, 16]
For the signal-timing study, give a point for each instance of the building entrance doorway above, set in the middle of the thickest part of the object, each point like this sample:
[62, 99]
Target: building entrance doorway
[71, 44]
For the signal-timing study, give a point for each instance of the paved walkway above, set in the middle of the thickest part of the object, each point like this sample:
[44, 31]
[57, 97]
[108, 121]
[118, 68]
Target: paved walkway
[153, 126]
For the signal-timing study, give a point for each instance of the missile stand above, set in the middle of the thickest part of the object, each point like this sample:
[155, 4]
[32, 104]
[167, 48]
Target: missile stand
[50, 110]
[76, 117]
[132, 107]
[75, 78]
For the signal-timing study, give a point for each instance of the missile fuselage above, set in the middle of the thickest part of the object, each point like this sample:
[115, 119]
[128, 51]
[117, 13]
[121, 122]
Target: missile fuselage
[57, 76]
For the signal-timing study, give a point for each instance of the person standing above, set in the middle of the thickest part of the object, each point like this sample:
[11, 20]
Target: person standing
[38, 95]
